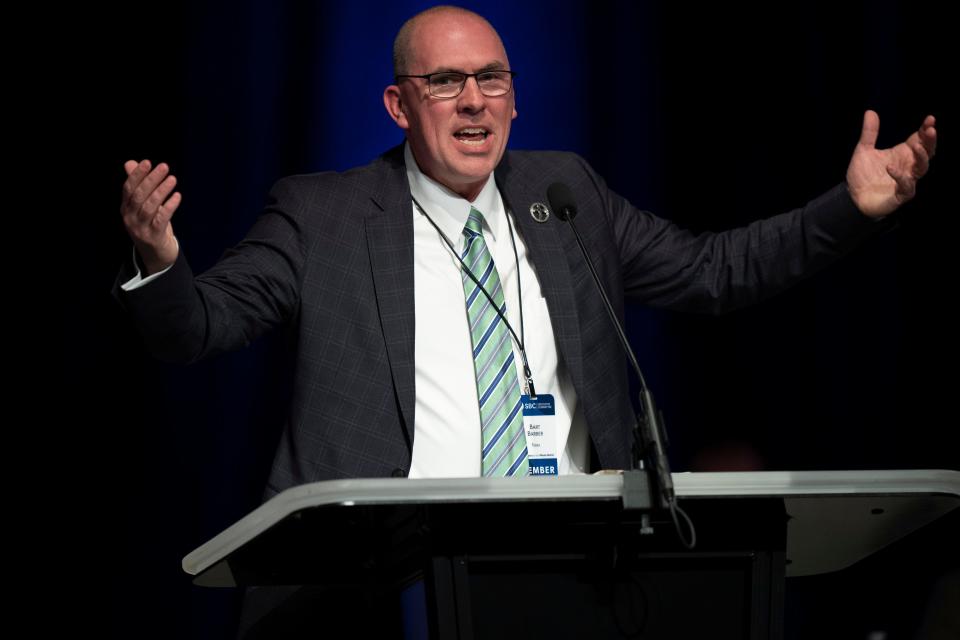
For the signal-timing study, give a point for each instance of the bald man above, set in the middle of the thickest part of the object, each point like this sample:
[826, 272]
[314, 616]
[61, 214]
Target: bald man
[374, 268]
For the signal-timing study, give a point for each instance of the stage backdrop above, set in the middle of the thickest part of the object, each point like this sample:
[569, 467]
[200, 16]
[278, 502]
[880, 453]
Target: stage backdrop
[710, 116]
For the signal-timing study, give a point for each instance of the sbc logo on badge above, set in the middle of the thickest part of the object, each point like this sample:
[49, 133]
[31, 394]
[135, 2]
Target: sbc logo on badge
[543, 466]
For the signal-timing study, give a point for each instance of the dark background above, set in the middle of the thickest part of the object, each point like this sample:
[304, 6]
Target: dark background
[710, 116]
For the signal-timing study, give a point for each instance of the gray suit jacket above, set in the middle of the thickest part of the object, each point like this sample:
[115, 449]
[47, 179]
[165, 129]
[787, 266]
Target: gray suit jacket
[333, 254]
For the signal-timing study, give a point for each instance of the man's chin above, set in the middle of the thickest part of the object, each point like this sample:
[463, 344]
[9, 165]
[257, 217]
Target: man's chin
[473, 168]
[467, 184]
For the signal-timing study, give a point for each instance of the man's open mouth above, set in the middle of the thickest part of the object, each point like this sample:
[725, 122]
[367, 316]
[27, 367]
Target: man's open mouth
[471, 135]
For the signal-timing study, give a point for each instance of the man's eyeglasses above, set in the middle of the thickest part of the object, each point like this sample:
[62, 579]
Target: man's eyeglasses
[449, 84]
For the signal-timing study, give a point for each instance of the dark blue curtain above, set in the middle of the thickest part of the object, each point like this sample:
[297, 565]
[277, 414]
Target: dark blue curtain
[711, 116]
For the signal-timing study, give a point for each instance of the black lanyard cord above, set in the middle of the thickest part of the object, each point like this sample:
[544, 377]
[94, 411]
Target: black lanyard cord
[519, 340]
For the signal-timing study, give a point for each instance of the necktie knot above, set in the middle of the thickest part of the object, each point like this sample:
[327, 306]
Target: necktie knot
[474, 226]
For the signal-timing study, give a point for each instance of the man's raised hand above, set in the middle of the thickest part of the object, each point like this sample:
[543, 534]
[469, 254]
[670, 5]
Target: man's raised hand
[147, 207]
[880, 180]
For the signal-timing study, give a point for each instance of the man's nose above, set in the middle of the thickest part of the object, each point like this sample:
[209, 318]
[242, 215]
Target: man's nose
[471, 98]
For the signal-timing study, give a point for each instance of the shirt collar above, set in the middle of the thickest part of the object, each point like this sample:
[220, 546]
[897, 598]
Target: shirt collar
[448, 210]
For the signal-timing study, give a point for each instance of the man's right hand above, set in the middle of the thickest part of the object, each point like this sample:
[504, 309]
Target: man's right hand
[146, 212]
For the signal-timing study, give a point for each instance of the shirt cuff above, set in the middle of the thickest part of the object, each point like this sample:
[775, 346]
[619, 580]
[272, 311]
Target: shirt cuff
[138, 281]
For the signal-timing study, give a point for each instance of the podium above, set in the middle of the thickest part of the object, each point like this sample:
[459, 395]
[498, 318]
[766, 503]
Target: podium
[577, 556]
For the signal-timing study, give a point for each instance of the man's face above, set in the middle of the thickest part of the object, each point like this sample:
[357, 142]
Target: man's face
[456, 141]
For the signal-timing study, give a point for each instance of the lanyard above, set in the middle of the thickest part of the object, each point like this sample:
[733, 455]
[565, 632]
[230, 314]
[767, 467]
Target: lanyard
[519, 340]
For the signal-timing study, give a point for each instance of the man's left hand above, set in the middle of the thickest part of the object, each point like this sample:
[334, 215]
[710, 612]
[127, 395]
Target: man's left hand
[880, 180]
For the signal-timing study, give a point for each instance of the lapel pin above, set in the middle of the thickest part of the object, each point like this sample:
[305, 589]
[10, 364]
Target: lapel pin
[539, 212]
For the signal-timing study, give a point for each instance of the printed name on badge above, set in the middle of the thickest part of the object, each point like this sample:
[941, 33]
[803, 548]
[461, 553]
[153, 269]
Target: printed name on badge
[540, 427]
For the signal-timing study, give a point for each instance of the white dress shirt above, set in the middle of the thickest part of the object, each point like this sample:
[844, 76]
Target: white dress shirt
[446, 440]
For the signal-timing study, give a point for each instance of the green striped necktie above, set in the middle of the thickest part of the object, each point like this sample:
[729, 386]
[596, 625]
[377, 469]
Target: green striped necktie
[504, 446]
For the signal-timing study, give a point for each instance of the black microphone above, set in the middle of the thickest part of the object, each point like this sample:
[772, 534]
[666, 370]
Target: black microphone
[650, 434]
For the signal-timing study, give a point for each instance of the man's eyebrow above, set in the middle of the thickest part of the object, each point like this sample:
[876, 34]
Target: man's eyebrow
[496, 65]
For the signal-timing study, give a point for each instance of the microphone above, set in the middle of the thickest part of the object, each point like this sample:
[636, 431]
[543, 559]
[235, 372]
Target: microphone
[649, 438]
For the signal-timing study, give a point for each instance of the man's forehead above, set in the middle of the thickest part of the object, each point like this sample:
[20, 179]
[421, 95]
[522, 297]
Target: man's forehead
[467, 34]
[496, 65]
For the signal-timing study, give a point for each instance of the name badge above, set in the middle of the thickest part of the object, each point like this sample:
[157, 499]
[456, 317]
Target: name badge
[540, 427]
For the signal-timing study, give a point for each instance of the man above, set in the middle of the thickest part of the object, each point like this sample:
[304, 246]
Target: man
[386, 380]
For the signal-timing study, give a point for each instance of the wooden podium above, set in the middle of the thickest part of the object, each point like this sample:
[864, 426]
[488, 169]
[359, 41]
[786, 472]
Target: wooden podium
[577, 556]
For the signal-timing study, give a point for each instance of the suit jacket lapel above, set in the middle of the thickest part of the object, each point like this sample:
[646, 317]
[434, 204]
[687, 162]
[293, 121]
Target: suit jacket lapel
[548, 250]
[389, 231]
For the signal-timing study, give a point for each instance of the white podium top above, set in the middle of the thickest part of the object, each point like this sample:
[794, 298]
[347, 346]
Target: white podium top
[837, 517]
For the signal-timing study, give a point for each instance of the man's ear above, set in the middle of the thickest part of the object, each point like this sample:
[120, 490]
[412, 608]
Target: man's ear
[394, 105]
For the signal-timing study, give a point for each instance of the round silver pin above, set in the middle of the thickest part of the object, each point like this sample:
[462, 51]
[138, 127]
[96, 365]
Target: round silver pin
[539, 211]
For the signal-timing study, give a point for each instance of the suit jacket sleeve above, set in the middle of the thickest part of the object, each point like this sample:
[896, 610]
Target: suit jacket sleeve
[252, 288]
[665, 266]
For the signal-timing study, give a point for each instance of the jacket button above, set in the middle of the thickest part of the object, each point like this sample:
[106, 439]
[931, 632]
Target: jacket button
[399, 473]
